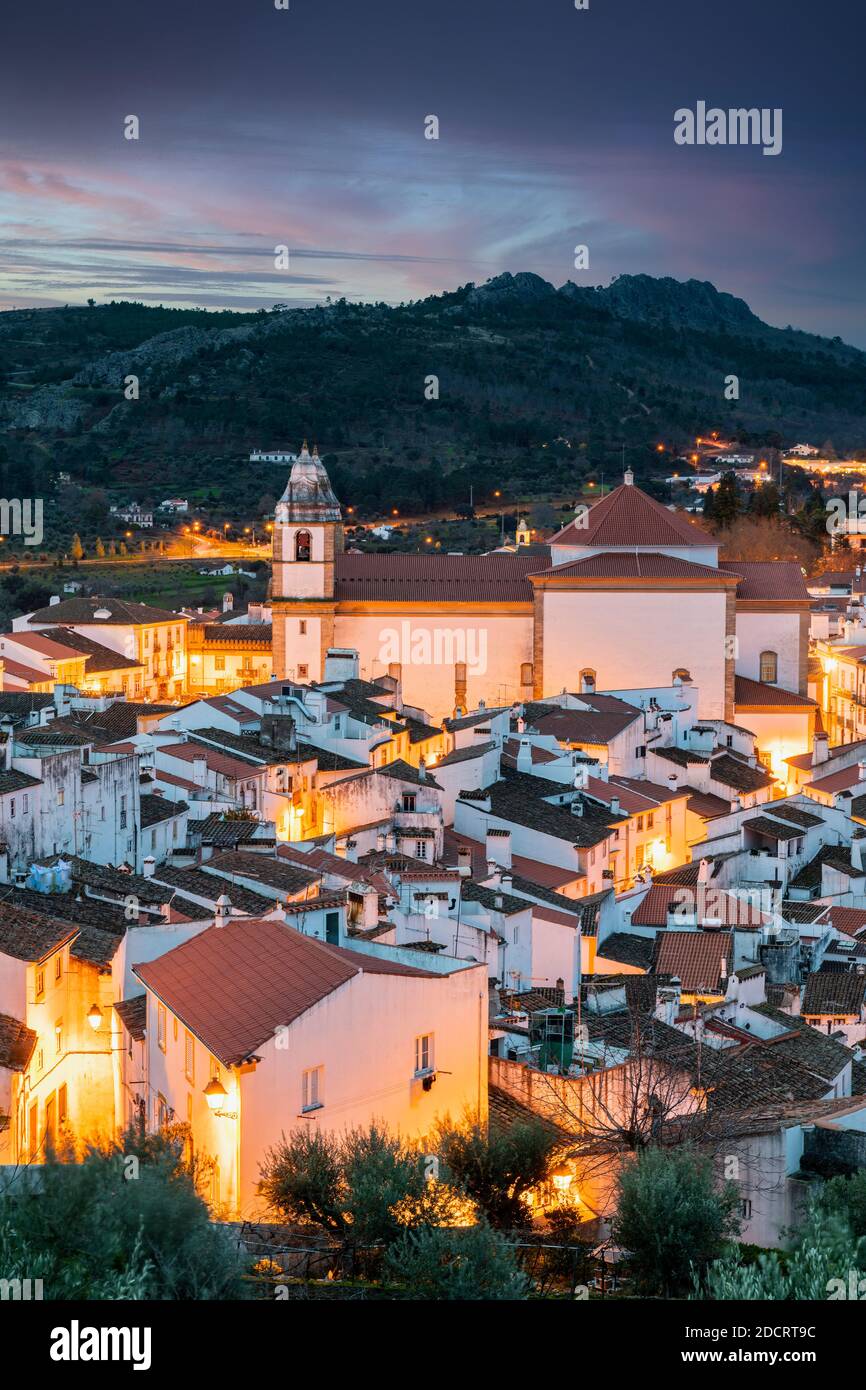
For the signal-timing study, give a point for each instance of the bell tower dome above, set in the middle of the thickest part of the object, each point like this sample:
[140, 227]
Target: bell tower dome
[307, 534]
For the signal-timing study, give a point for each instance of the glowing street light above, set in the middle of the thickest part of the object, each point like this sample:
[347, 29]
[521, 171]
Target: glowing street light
[215, 1094]
[94, 1016]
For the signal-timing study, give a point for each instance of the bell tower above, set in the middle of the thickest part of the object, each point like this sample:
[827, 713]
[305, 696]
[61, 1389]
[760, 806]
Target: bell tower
[308, 532]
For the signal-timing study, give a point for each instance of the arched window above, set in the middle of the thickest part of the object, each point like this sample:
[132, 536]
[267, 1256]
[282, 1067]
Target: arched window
[587, 681]
[769, 668]
[303, 545]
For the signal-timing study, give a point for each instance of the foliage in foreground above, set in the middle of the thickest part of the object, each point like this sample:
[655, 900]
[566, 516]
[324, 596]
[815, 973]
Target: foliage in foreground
[673, 1219]
[103, 1227]
[473, 1263]
[365, 1185]
[820, 1266]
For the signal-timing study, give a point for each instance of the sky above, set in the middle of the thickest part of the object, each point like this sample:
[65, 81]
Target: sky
[305, 127]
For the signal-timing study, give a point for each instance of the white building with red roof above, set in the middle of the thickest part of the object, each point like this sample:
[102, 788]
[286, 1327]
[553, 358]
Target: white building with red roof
[629, 594]
[254, 1029]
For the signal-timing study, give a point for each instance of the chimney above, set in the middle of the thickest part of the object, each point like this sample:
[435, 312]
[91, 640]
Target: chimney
[674, 781]
[505, 883]
[7, 738]
[199, 770]
[587, 685]
[222, 911]
[459, 688]
[390, 842]
[861, 771]
[857, 854]
[422, 769]
[614, 806]
[581, 778]
[54, 599]
[395, 671]
[820, 749]
[577, 806]
[493, 870]
[464, 862]
[499, 848]
[380, 842]
[148, 868]
[228, 601]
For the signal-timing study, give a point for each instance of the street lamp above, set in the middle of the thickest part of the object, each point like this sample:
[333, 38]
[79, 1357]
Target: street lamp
[215, 1094]
[94, 1016]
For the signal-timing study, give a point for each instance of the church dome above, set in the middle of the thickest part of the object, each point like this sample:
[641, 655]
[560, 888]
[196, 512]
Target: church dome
[308, 495]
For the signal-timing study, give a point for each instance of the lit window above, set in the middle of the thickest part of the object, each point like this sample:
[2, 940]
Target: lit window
[769, 668]
[423, 1054]
[312, 1089]
[61, 797]
[40, 983]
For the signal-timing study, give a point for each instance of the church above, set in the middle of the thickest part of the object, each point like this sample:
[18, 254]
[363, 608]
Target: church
[628, 595]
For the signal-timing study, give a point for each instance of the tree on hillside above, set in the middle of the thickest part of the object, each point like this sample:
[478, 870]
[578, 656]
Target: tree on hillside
[76, 549]
[725, 505]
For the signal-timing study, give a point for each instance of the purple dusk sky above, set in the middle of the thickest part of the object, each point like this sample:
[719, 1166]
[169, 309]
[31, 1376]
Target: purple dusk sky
[305, 127]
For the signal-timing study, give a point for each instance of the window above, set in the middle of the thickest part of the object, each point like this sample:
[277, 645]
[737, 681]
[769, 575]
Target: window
[189, 1056]
[649, 821]
[302, 673]
[527, 676]
[303, 545]
[219, 663]
[40, 983]
[58, 1036]
[408, 801]
[123, 813]
[312, 1088]
[12, 808]
[302, 627]
[161, 1110]
[58, 965]
[160, 1027]
[769, 672]
[420, 849]
[26, 804]
[61, 797]
[424, 1054]
[639, 823]
[746, 1209]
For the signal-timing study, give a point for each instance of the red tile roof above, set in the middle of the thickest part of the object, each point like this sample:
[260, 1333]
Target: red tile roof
[768, 579]
[641, 564]
[749, 692]
[233, 986]
[628, 516]
[216, 760]
[696, 957]
[837, 781]
[722, 906]
[496, 578]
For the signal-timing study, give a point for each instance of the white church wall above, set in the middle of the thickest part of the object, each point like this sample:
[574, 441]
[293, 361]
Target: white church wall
[630, 638]
[774, 632]
[429, 645]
